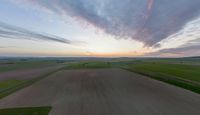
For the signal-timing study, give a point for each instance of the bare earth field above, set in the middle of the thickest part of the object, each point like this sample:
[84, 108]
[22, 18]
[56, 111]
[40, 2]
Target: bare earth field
[25, 74]
[105, 92]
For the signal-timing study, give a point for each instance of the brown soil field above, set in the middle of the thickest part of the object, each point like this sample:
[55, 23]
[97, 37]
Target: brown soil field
[25, 74]
[105, 92]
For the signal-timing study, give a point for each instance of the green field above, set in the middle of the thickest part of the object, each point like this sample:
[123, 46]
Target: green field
[16, 65]
[26, 111]
[182, 75]
[88, 65]
[10, 86]
[9, 83]
[182, 72]
[179, 72]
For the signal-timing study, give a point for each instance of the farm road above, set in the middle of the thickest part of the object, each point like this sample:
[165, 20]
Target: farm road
[105, 92]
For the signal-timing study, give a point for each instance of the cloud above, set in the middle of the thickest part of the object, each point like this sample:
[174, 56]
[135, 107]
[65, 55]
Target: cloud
[185, 50]
[190, 32]
[13, 32]
[148, 21]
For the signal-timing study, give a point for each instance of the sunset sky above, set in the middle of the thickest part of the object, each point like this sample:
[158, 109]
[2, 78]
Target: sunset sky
[105, 28]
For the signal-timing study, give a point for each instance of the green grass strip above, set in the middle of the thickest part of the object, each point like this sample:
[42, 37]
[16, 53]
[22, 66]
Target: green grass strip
[24, 84]
[192, 86]
[9, 83]
[26, 111]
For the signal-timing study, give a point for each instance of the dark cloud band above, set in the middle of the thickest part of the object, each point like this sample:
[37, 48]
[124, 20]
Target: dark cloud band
[148, 21]
[181, 51]
[9, 31]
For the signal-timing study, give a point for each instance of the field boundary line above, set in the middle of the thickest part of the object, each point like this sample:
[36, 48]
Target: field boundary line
[26, 83]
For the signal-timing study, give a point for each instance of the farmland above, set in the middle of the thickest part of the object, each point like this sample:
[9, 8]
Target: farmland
[26, 74]
[88, 65]
[185, 75]
[112, 86]
[104, 91]
[26, 111]
[19, 64]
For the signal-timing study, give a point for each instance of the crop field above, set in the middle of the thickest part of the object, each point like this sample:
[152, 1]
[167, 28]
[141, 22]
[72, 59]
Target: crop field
[26, 111]
[104, 92]
[9, 83]
[100, 87]
[183, 75]
[13, 80]
[20, 65]
[88, 65]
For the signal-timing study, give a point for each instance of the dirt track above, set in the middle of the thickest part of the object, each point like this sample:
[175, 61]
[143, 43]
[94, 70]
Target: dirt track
[105, 92]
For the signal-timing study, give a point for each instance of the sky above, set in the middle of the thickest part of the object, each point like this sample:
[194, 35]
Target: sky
[100, 28]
